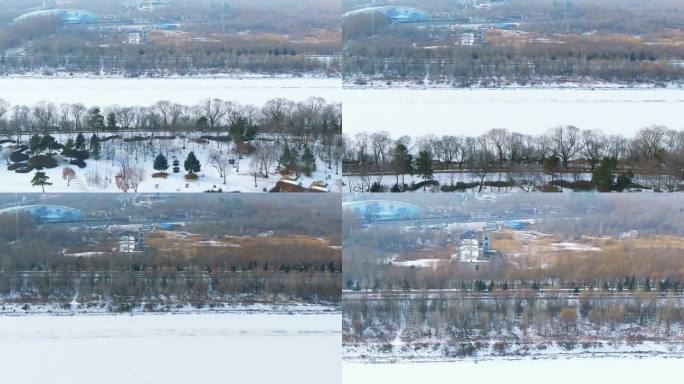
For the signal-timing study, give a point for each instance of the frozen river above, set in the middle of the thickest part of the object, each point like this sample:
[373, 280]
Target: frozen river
[146, 91]
[199, 348]
[471, 112]
[561, 371]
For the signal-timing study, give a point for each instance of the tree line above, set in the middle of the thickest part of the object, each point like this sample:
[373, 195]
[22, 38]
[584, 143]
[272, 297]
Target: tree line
[510, 323]
[612, 161]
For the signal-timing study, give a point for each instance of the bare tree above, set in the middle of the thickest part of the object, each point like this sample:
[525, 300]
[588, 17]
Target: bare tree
[594, 144]
[129, 177]
[220, 162]
[566, 142]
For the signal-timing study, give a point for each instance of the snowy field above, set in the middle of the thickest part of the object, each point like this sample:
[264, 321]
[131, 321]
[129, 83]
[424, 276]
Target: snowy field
[99, 175]
[169, 349]
[571, 371]
[145, 91]
[471, 112]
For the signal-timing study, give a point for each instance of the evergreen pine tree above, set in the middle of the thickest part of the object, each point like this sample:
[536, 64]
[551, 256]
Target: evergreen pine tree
[68, 148]
[95, 146]
[603, 176]
[35, 144]
[192, 164]
[424, 165]
[80, 142]
[95, 120]
[111, 122]
[160, 163]
[40, 178]
[309, 161]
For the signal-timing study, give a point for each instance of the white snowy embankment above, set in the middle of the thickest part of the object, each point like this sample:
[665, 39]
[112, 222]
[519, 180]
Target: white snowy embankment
[622, 370]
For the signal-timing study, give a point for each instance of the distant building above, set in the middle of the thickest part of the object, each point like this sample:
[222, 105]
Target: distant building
[395, 14]
[468, 39]
[632, 234]
[47, 213]
[149, 5]
[379, 210]
[474, 247]
[515, 224]
[130, 242]
[134, 38]
[67, 16]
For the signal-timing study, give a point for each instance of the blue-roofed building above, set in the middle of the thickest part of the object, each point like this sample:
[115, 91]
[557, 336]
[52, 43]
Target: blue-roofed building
[47, 213]
[515, 224]
[68, 16]
[395, 14]
[378, 210]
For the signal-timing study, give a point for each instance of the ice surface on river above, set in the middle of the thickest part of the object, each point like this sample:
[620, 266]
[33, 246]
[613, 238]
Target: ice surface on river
[147, 91]
[189, 348]
[527, 110]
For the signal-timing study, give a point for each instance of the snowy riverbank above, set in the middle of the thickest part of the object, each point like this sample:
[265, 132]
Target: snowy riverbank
[623, 370]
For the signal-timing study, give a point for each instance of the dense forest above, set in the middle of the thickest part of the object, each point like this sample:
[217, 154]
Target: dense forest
[172, 38]
[518, 42]
[232, 250]
[507, 323]
[592, 274]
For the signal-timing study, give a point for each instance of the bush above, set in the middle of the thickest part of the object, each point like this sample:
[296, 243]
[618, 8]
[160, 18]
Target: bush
[191, 176]
[40, 162]
[580, 185]
[76, 154]
[176, 169]
[377, 187]
[134, 139]
[426, 184]
[27, 169]
[112, 137]
[16, 166]
[162, 175]
[550, 188]
[499, 184]
[223, 139]
[79, 163]
[18, 156]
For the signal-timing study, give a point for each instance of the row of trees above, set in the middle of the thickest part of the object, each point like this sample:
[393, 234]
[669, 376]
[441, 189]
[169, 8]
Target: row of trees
[564, 149]
[126, 290]
[520, 322]
[281, 117]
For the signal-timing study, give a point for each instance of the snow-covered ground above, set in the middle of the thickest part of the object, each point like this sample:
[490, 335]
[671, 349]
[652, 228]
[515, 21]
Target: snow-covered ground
[98, 175]
[561, 371]
[146, 91]
[526, 110]
[187, 348]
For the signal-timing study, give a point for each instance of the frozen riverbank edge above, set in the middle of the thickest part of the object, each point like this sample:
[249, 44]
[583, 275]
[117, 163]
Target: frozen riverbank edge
[570, 355]
[599, 86]
[228, 76]
[74, 308]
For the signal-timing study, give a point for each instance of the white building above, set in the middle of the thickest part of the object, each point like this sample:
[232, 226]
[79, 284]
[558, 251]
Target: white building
[134, 38]
[468, 39]
[474, 248]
